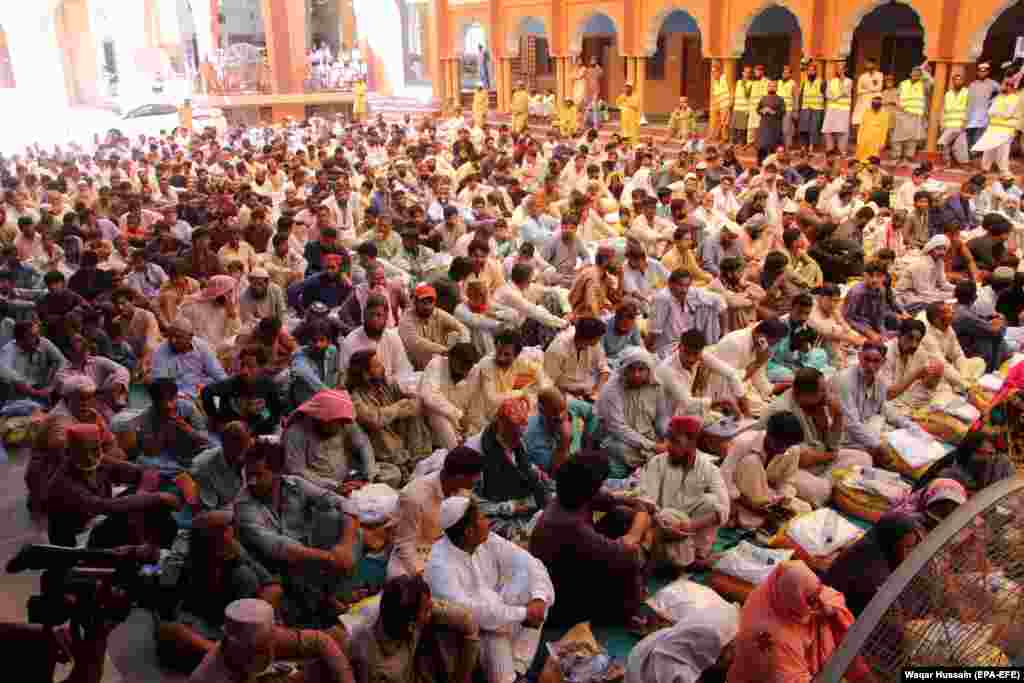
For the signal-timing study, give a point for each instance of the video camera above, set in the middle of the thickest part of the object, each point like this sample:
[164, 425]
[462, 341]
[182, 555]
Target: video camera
[84, 586]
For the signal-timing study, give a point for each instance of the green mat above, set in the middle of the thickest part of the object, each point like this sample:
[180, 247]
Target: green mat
[616, 639]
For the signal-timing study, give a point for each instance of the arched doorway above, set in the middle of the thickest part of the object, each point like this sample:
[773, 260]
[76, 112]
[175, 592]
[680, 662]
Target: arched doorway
[473, 37]
[1001, 37]
[6, 67]
[596, 38]
[530, 50]
[773, 40]
[414, 40]
[676, 66]
[892, 35]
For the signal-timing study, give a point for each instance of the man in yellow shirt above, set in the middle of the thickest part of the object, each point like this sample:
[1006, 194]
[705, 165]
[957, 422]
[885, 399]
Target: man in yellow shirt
[359, 108]
[481, 102]
[873, 130]
[680, 122]
[520, 108]
[629, 114]
[568, 119]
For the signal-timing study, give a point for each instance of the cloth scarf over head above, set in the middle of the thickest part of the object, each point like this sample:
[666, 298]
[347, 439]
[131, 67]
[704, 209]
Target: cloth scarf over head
[326, 406]
[938, 489]
[862, 568]
[781, 621]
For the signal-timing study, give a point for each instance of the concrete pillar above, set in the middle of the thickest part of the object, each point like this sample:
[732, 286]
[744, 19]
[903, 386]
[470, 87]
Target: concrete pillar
[941, 77]
[285, 25]
[509, 85]
[559, 81]
[641, 81]
[81, 71]
[729, 65]
[36, 57]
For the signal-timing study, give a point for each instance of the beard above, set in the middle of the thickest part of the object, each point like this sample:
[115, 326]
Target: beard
[373, 332]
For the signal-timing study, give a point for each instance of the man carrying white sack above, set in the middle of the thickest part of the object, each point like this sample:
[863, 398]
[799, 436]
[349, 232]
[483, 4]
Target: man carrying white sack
[507, 590]
[692, 499]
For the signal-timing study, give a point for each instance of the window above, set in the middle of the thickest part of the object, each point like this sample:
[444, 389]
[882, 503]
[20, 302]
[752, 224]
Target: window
[656, 62]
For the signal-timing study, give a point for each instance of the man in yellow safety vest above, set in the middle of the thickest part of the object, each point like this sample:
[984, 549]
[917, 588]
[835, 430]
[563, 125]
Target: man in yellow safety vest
[953, 141]
[741, 107]
[758, 90]
[1002, 128]
[911, 120]
[718, 119]
[789, 93]
[812, 106]
[838, 95]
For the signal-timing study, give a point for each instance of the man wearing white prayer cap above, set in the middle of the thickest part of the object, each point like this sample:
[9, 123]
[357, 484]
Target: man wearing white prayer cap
[261, 299]
[507, 590]
[251, 642]
[924, 282]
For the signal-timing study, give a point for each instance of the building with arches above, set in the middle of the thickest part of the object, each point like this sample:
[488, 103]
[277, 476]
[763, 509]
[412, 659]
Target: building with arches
[666, 47]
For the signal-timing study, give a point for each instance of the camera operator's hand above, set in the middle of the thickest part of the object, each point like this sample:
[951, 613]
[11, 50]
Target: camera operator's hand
[62, 643]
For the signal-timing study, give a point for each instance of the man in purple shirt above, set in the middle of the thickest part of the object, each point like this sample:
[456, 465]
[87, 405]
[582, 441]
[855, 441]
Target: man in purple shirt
[870, 307]
[568, 542]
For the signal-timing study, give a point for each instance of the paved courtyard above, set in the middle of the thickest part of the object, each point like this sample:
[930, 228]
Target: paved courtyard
[131, 657]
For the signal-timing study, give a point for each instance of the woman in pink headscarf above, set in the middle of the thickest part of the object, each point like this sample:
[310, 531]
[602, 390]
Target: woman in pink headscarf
[213, 312]
[1003, 422]
[789, 627]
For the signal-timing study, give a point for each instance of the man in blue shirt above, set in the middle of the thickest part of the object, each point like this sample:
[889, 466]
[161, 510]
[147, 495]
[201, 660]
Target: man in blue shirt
[556, 431]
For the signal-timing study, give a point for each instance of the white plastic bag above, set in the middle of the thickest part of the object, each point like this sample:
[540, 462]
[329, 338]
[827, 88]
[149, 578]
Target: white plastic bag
[822, 532]
[750, 562]
[888, 485]
[683, 598]
[962, 410]
[916, 447]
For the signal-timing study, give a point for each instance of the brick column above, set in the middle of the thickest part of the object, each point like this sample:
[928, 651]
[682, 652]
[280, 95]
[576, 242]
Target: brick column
[640, 80]
[285, 23]
[938, 103]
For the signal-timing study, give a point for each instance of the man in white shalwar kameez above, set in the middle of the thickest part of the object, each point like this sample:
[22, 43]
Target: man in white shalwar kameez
[507, 590]
[682, 653]
[691, 496]
[746, 352]
[1003, 122]
[924, 282]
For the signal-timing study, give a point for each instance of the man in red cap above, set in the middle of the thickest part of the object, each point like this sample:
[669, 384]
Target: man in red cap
[428, 331]
[691, 496]
[330, 287]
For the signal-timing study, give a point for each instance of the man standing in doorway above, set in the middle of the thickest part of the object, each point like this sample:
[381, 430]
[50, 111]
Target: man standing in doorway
[912, 120]
[758, 90]
[790, 94]
[812, 106]
[741, 107]
[837, 112]
[484, 64]
[869, 84]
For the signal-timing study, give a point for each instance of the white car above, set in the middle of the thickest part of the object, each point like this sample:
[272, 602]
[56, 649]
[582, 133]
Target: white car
[150, 119]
